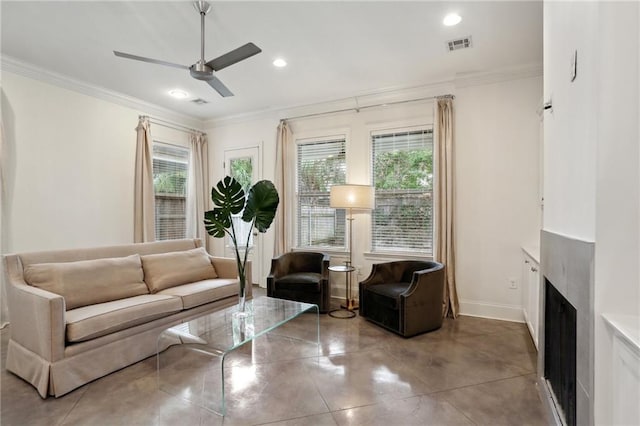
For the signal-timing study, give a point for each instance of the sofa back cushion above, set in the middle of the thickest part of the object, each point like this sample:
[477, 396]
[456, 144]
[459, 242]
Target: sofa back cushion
[167, 270]
[88, 282]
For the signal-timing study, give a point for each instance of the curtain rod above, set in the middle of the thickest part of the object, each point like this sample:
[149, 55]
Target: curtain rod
[358, 108]
[170, 125]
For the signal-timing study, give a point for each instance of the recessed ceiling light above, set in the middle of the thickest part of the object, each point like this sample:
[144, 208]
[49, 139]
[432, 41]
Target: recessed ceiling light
[279, 63]
[178, 94]
[451, 19]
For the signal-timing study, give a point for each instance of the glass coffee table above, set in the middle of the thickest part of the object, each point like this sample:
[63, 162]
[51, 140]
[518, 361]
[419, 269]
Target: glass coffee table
[191, 355]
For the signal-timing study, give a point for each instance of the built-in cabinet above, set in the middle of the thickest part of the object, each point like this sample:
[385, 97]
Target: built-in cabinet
[531, 291]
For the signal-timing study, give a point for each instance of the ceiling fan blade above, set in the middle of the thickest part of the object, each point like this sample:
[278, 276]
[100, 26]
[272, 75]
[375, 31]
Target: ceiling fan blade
[152, 61]
[219, 86]
[236, 55]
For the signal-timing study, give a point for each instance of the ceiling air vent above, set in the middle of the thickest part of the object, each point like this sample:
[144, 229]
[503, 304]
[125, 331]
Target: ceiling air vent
[199, 101]
[461, 43]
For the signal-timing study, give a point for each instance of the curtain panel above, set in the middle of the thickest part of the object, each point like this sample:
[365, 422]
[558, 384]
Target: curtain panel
[282, 222]
[198, 181]
[445, 246]
[4, 309]
[144, 226]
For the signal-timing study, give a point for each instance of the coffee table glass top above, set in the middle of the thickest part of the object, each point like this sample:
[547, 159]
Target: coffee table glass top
[186, 351]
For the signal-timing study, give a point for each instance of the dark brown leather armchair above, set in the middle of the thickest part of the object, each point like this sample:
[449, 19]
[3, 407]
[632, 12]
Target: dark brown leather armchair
[301, 276]
[404, 296]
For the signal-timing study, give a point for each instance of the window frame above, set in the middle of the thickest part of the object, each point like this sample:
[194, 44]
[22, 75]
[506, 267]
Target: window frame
[306, 139]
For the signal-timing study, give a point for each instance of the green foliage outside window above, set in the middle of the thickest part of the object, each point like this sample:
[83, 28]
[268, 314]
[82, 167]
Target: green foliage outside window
[396, 170]
[174, 182]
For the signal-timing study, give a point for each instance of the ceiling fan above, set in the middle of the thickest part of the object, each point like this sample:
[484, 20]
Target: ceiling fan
[202, 70]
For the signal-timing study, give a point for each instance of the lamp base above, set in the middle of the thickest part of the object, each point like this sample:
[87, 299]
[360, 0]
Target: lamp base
[350, 305]
[342, 313]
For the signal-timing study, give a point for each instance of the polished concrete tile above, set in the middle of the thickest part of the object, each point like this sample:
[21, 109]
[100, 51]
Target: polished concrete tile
[512, 401]
[472, 370]
[420, 410]
[363, 378]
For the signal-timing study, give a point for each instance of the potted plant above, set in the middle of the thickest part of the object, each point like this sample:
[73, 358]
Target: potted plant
[258, 209]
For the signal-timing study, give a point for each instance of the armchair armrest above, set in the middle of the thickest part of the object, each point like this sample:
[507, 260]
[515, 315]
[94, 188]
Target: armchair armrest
[36, 315]
[382, 273]
[426, 284]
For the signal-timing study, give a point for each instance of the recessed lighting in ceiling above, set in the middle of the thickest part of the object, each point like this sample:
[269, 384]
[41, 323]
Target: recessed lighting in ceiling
[178, 94]
[451, 19]
[279, 63]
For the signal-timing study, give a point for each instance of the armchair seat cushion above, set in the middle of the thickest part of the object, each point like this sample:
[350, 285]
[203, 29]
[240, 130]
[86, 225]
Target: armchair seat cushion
[387, 295]
[308, 282]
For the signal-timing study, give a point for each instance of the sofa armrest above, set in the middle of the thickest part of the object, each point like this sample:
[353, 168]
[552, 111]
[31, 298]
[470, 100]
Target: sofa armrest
[226, 267]
[36, 315]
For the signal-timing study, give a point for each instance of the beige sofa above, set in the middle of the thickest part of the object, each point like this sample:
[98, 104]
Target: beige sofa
[77, 315]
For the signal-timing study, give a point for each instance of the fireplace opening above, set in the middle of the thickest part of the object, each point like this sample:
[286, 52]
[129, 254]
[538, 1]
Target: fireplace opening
[560, 351]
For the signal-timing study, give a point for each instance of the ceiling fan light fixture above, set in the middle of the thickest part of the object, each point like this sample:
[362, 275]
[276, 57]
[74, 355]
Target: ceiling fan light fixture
[451, 19]
[279, 63]
[178, 94]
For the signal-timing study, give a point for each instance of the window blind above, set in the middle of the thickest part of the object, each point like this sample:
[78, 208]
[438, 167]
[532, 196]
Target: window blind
[402, 168]
[170, 171]
[320, 165]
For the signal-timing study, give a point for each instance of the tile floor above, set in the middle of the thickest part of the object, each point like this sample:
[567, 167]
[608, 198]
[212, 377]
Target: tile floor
[471, 371]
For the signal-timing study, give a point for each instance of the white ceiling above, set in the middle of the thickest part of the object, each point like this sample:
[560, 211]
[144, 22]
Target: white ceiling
[335, 50]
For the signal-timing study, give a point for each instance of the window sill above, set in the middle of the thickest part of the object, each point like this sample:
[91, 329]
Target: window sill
[397, 255]
[328, 250]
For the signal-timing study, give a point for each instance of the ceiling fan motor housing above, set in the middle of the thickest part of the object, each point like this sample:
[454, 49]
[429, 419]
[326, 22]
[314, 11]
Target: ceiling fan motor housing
[200, 71]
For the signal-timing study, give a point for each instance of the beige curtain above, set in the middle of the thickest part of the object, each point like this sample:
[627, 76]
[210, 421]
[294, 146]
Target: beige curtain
[282, 220]
[445, 249]
[198, 191]
[4, 309]
[144, 227]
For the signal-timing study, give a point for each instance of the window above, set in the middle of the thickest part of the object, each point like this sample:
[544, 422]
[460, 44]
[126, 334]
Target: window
[170, 170]
[320, 164]
[402, 168]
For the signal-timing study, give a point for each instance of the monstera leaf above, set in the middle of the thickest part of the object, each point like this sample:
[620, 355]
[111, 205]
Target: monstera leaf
[228, 195]
[262, 204]
[215, 222]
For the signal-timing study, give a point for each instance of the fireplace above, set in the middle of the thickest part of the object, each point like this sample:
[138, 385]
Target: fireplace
[566, 349]
[560, 352]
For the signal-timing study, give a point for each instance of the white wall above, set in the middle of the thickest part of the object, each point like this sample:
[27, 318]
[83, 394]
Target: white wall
[592, 158]
[69, 167]
[497, 210]
[571, 129]
[617, 279]
[497, 134]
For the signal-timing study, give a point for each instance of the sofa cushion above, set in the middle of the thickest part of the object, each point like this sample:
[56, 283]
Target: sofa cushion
[88, 282]
[165, 270]
[299, 281]
[101, 319]
[202, 292]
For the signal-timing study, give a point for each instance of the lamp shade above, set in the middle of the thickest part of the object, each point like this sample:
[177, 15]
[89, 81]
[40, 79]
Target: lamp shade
[352, 196]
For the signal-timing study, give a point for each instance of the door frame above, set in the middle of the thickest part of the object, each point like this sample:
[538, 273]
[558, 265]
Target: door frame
[251, 150]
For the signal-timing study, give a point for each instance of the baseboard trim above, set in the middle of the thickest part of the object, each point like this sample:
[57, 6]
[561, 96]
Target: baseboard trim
[476, 308]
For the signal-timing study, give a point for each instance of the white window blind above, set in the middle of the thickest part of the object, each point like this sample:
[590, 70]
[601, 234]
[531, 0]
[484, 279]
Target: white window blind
[170, 171]
[320, 165]
[402, 167]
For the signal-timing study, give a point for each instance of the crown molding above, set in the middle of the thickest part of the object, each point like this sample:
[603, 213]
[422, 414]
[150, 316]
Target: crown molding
[24, 69]
[388, 95]
[497, 76]
[358, 100]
